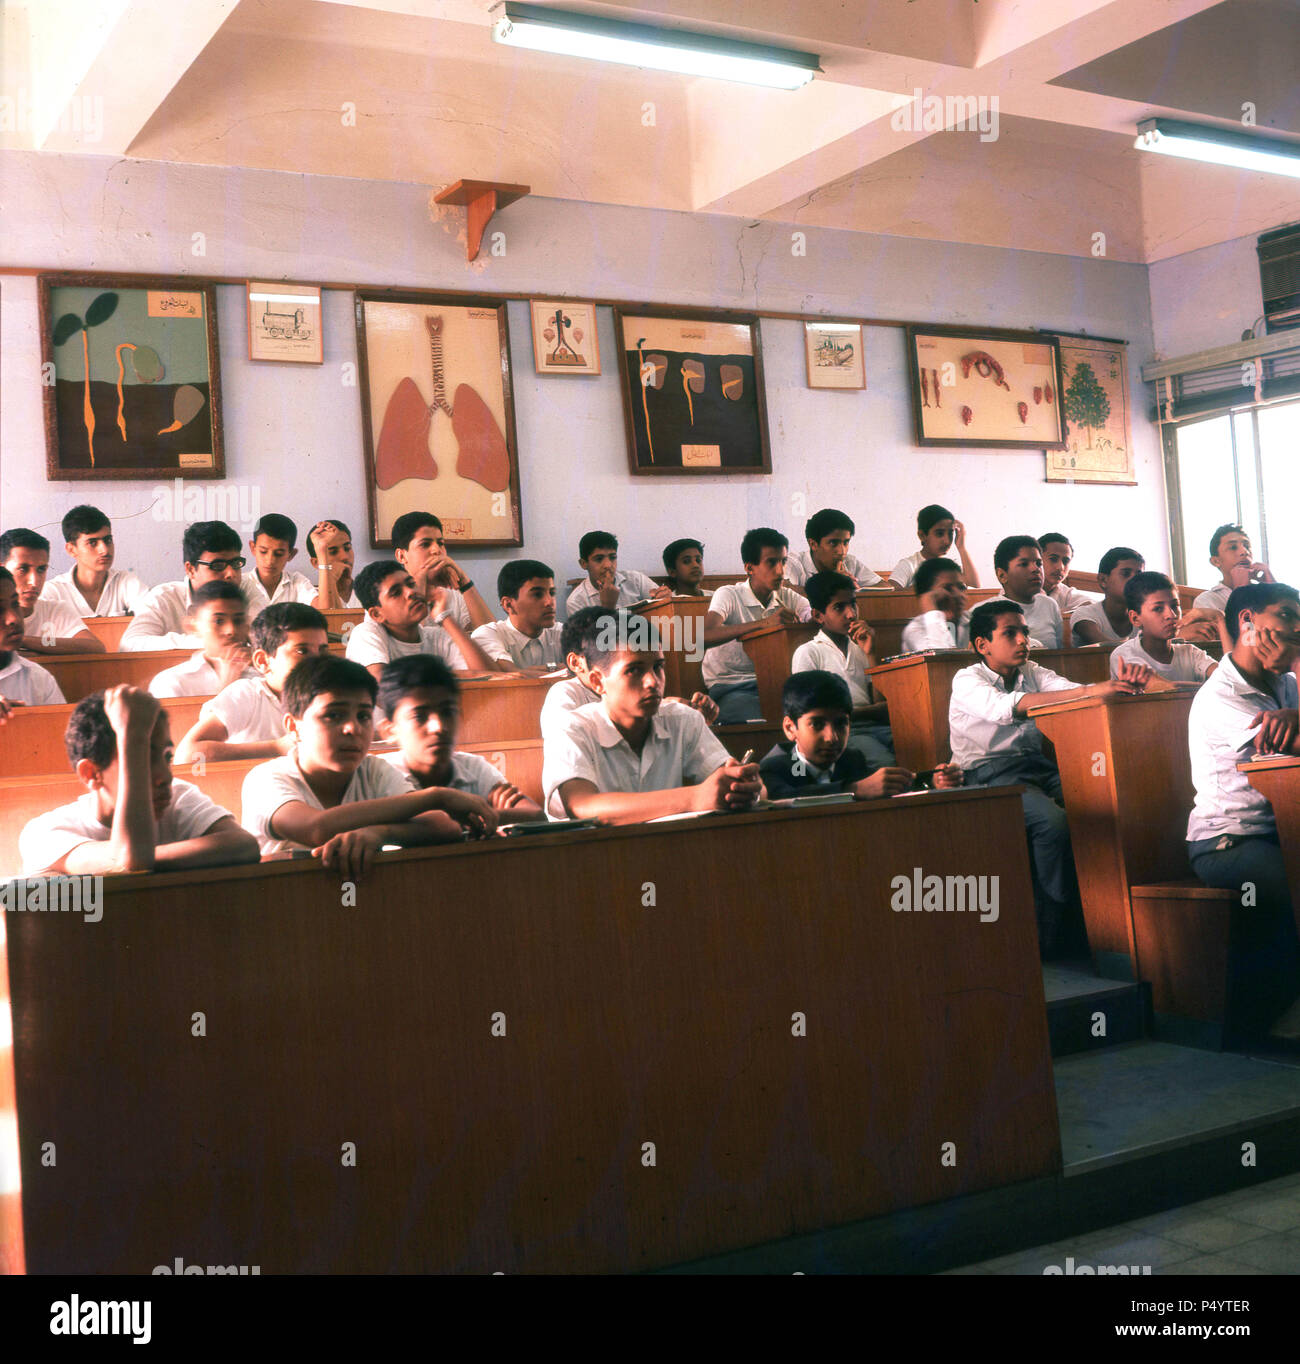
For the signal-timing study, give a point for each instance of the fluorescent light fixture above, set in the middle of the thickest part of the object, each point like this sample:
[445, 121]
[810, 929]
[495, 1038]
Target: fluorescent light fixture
[662, 49]
[1220, 146]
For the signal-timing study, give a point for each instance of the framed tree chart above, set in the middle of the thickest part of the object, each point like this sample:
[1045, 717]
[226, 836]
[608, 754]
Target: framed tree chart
[1098, 433]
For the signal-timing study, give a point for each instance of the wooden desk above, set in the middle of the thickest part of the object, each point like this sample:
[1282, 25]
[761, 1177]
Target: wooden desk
[681, 623]
[918, 689]
[107, 629]
[625, 1025]
[1127, 780]
[340, 621]
[1278, 779]
[79, 675]
[502, 707]
[31, 743]
[771, 650]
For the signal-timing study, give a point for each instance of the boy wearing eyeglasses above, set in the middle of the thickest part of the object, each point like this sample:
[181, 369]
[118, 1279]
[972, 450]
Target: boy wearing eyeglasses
[212, 553]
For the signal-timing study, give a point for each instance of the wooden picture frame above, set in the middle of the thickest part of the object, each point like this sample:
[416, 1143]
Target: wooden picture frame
[985, 387]
[564, 336]
[438, 414]
[284, 323]
[140, 396]
[835, 356]
[1094, 383]
[707, 367]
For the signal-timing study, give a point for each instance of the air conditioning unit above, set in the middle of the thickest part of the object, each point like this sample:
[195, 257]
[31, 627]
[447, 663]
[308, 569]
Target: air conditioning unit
[1279, 277]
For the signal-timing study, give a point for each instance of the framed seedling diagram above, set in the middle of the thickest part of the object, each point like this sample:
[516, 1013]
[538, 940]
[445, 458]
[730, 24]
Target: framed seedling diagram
[133, 386]
[692, 392]
[438, 415]
[985, 388]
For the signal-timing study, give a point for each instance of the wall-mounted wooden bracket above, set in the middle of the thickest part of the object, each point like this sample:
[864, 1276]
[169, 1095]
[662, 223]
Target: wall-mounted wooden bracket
[481, 199]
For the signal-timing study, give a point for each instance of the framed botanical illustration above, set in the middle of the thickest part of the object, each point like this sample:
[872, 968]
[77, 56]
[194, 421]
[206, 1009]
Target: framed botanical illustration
[564, 337]
[834, 355]
[438, 415]
[990, 387]
[693, 392]
[134, 381]
[1098, 436]
[284, 323]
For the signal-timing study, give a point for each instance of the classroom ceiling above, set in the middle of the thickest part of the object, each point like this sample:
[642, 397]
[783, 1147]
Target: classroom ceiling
[273, 84]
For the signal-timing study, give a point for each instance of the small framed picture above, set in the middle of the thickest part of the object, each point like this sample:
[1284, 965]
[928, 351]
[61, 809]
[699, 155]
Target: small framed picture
[284, 323]
[564, 337]
[834, 355]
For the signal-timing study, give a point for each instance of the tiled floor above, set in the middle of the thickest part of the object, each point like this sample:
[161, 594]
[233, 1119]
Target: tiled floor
[1253, 1231]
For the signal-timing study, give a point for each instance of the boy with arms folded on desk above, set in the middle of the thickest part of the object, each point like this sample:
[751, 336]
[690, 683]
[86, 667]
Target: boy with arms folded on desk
[828, 533]
[22, 682]
[328, 794]
[246, 718]
[995, 741]
[1154, 612]
[817, 759]
[1018, 563]
[212, 553]
[420, 698]
[330, 552]
[91, 587]
[274, 546]
[49, 627]
[737, 610]
[218, 619]
[625, 758]
[528, 640]
[944, 622]
[1106, 621]
[1058, 554]
[134, 815]
[684, 565]
[939, 532]
[421, 548]
[843, 646]
[608, 585]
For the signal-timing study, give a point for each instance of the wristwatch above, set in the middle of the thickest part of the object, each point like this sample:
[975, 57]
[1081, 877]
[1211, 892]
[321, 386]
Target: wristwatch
[465, 586]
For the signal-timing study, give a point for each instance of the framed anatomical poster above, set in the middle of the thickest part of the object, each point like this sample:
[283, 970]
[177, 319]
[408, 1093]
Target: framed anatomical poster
[985, 388]
[693, 392]
[1098, 438]
[132, 382]
[438, 415]
[564, 337]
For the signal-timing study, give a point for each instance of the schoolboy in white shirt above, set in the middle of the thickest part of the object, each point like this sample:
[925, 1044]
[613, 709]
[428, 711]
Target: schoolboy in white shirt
[1018, 563]
[943, 622]
[828, 533]
[684, 565]
[420, 546]
[1058, 554]
[1154, 612]
[329, 794]
[22, 682]
[212, 553]
[330, 552]
[608, 585]
[994, 740]
[49, 627]
[624, 758]
[739, 609]
[939, 532]
[1231, 554]
[1106, 621]
[218, 617]
[528, 639]
[134, 816]
[274, 546]
[91, 587]
[246, 718]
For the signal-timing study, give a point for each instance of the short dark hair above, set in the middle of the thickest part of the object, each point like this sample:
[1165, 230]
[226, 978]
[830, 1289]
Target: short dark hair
[1141, 585]
[1011, 546]
[821, 587]
[5, 575]
[277, 622]
[21, 538]
[676, 549]
[930, 516]
[759, 539]
[216, 591]
[415, 672]
[323, 673]
[329, 521]
[1228, 528]
[83, 520]
[204, 536]
[928, 570]
[1254, 597]
[277, 527]
[408, 523]
[578, 624]
[596, 539]
[1054, 537]
[371, 578]
[814, 689]
[517, 572]
[1116, 556]
[89, 734]
[594, 630]
[984, 618]
[825, 522]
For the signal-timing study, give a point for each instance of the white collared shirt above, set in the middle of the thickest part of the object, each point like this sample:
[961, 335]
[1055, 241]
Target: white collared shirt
[799, 567]
[1068, 599]
[632, 587]
[981, 714]
[1190, 663]
[1214, 599]
[1095, 614]
[822, 652]
[251, 712]
[905, 569]
[291, 587]
[195, 677]
[469, 772]
[933, 630]
[123, 592]
[566, 696]
[502, 642]
[727, 664]
[370, 643]
[52, 618]
[25, 681]
[1043, 618]
[1219, 736]
[160, 620]
[679, 750]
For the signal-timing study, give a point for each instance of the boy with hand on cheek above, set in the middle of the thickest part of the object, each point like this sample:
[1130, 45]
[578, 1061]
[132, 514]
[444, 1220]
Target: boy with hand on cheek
[1231, 554]
[944, 622]
[329, 548]
[939, 533]
[607, 585]
[828, 533]
[421, 548]
[22, 682]
[329, 794]
[218, 617]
